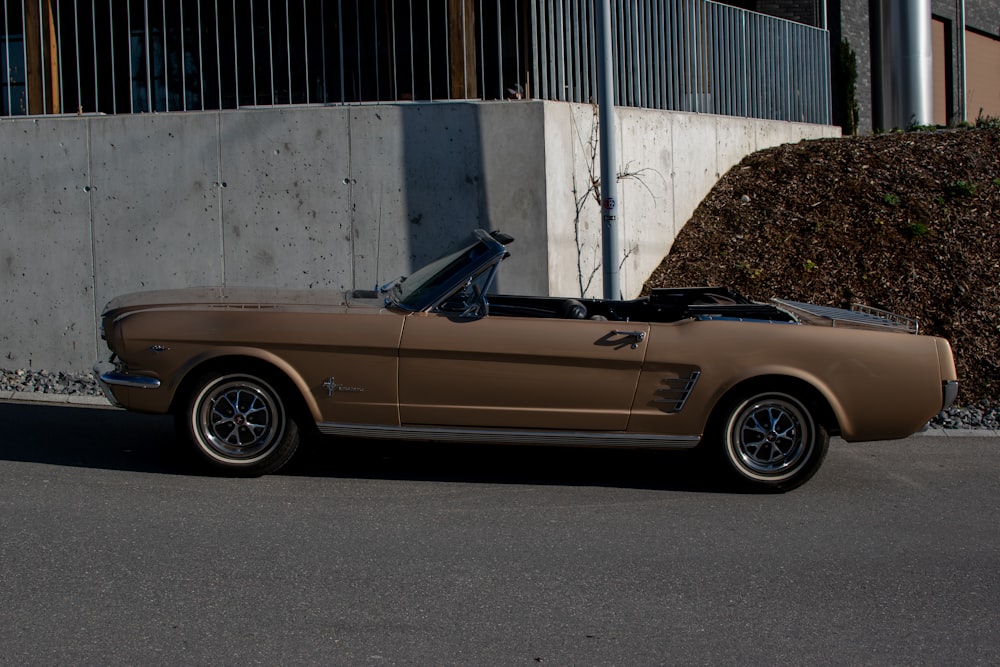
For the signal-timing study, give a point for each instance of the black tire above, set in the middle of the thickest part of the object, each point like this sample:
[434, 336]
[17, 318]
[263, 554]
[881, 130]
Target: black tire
[239, 424]
[770, 440]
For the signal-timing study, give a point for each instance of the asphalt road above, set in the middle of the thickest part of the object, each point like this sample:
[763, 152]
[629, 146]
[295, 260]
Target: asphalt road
[114, 551]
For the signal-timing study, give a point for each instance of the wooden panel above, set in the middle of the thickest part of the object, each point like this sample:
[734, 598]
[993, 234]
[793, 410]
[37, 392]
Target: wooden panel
[941, 71]
[982, 75]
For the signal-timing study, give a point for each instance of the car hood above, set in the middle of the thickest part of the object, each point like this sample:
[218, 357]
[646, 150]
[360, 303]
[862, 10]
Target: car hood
[211, 298]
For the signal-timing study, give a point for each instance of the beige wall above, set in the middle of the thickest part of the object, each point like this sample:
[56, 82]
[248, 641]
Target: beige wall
[982, 75]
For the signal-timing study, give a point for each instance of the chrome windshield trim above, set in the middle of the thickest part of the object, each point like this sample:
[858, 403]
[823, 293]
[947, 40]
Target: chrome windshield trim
[509, 436]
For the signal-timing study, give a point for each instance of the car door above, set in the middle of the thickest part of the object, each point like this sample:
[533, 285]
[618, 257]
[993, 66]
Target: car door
[517, 372]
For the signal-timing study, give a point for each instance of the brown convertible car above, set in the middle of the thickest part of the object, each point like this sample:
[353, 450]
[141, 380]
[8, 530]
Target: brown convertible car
[437, 357]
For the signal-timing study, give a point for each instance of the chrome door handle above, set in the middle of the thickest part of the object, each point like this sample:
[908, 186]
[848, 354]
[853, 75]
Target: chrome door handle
[639, 336]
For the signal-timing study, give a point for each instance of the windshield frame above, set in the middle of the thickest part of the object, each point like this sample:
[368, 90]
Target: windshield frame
[431, 284]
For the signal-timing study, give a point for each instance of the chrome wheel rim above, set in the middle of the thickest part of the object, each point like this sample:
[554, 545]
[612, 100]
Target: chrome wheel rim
[771, 436]
[238, 420]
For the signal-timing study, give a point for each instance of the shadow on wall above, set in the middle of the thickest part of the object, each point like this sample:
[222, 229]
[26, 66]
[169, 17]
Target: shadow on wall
[444, 193]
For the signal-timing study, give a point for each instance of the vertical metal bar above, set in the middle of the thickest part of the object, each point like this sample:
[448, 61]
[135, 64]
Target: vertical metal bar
[128, 35]
[236, 58]
[538, 51]
[579, 66]
[465, 55]
[719, 61]
[6, 62]
[447, 51]
[322, 48]
[270, 53]
[76, 46]
[745, 65]
[413, 64]
[166, 73]
[218, 55]
[519, 83]
[586, 48]
[553, 49]
[617, 26]
[533, 89]
[340, 29]
[623, 52]
[688, 45]
[638, 50]
[305, 51]
[201, 60]
[149, 72]
[41, 48]
[642, 59]
[651, 30]
[394, 70]
[629, 53]
[24, 61]
[430, 54]
[288, 50]
[253, 51]
[500, 91]
[714, 60]
[652, 61]
[378, 63]
[480, 56]
[183, 61]
[114, 61]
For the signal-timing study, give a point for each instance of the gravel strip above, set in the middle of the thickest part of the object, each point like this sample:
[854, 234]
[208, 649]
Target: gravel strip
[49, 382]
[983, 415]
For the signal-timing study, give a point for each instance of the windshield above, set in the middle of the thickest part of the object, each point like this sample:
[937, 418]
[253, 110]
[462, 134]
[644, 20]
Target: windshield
[441, 276]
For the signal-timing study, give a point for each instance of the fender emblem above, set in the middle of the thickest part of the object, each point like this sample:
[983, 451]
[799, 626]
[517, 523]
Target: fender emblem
[332, 386]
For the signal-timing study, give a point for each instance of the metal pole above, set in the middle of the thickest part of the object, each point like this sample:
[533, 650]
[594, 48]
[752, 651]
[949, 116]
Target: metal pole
[611, 244]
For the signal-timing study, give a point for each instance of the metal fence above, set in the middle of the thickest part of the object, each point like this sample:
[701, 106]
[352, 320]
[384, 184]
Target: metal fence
[134, 56]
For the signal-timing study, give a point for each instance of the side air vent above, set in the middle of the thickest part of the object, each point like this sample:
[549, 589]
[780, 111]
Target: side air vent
[675, 392]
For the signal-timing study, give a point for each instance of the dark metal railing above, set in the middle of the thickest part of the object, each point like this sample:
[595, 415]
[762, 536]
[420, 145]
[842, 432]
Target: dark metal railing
[138, 56]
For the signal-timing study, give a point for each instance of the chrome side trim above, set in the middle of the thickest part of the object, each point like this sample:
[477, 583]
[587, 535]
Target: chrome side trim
[509, 436]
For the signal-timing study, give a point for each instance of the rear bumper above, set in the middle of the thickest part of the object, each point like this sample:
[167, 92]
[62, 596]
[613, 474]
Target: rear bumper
[949, 394]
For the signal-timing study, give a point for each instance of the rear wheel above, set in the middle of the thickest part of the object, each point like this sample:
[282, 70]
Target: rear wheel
[239, 424]
[771, 440]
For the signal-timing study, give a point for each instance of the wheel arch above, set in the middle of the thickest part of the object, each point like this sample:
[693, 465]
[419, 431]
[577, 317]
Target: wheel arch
[808, 392]
[270, 366]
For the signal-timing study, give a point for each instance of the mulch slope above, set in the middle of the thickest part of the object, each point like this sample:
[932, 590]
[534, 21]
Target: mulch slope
[908, 222]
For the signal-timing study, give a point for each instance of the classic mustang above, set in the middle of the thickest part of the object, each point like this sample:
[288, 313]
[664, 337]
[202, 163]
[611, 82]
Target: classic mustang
[436, 357]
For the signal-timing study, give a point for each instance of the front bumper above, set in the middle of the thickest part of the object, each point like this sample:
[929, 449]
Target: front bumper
[109, 375]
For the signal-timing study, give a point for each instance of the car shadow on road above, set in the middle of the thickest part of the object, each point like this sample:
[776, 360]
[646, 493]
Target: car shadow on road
[111, 439]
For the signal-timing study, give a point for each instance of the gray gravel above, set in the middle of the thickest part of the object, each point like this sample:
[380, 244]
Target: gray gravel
[49, 382]
[984, 414]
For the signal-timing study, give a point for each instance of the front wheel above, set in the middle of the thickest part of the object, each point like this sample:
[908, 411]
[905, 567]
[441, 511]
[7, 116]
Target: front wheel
[239, 424]
[772, 441]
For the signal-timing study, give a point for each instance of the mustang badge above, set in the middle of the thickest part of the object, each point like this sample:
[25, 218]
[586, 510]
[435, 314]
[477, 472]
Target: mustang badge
[332, 386]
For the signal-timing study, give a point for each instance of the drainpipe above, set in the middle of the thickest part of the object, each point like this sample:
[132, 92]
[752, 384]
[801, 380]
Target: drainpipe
[905, 64]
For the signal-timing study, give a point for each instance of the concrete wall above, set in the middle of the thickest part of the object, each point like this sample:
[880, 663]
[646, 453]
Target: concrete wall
[668, 163]
[329, 197]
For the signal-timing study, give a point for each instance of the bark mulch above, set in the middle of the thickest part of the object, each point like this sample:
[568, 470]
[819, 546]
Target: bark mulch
[908, 222]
